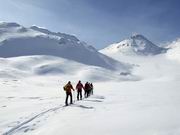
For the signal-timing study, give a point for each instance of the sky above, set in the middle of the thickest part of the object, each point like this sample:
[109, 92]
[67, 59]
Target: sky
[99, 22]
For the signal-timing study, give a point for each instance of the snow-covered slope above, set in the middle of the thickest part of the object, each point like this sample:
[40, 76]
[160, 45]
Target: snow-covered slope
[135, 45]
[16, 40]
[174, 51]
[29, 66]
[34, 105]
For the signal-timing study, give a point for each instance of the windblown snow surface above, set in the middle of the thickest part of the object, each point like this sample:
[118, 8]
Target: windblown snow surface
[144, 101]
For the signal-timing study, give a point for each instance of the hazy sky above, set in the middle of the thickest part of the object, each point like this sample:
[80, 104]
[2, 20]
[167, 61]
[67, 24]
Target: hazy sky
[99, 22]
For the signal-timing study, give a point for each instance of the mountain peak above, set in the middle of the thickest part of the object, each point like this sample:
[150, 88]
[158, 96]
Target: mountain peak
[136, 44]
[137, 36]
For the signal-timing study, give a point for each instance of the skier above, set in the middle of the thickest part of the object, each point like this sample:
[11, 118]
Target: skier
[89, 90]
[86, 88]
[79, 88]
[68, 87]
[91, 85]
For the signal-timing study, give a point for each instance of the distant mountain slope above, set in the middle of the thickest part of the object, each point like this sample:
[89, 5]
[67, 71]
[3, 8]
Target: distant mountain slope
[135, 45]
[16, 40]
[174, 50]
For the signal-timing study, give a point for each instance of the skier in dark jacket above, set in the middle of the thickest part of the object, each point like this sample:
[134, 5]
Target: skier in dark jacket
[86, 90]
[92, 87]
[68, 87]
[79, 88]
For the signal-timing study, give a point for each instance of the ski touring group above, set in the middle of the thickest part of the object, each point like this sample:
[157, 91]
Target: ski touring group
[68, 88]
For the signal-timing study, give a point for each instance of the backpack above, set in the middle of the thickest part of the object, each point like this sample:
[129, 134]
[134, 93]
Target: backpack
[65, 87]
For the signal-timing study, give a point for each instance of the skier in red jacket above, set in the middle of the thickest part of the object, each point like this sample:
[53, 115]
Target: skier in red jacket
[79, 88]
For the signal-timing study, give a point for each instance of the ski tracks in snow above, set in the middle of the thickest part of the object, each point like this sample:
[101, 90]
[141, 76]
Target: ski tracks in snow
[27, 125]
[31, 123]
